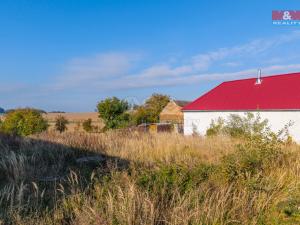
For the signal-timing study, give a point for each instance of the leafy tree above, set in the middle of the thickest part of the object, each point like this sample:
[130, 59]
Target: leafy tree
[149, 112]
[24, 122]
[141, 115]
[113, 112]
[87, 125]
[2, 110]
[61, 124]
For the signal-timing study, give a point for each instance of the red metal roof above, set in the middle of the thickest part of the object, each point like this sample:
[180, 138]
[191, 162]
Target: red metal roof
[278, 92]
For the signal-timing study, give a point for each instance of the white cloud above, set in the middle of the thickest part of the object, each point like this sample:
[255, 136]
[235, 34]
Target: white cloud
[232, 64]
[140, 82]
[164, 71]
[81, 71]
[204, 61]
[117, 70]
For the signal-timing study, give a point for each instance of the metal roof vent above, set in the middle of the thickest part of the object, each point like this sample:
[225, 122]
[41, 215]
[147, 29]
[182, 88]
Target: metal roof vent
[258, 80]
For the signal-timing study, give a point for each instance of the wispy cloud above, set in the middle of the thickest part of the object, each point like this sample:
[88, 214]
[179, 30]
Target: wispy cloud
[139, 82]
[113, 71]
[232, 64]
[253, 48]
[117, 70]
[81, 71]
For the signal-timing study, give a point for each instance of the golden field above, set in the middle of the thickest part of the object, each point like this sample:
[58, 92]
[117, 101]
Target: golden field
[75, 120]
[141, 178]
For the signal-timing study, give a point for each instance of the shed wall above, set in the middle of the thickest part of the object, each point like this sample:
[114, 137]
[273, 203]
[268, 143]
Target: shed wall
[171, 113]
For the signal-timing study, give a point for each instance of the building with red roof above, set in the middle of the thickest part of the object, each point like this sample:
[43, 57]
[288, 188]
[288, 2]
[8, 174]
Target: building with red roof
[276, 98]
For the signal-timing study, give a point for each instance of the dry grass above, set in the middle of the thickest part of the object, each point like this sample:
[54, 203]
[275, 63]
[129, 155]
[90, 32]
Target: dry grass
[169, 179]
[148, 148]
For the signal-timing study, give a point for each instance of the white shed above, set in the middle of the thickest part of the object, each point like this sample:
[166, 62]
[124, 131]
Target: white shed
[276, 98]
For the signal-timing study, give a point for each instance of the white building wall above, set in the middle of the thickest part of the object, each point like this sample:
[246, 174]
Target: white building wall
[200, 121]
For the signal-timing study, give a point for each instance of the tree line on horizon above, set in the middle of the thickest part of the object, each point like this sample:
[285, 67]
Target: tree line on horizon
[116, 114]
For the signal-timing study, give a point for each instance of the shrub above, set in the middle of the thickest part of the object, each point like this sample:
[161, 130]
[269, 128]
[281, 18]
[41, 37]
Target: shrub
[61, 124]
[24, 122]
[149, 112]
[113, 112]
[87, 125]
[174, 177]
[251, 157]
[215, 127]
[240, 126]
[259, 149]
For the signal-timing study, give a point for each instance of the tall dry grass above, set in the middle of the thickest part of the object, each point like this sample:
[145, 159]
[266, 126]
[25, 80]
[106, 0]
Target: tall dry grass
[167, 179]
[147, 148]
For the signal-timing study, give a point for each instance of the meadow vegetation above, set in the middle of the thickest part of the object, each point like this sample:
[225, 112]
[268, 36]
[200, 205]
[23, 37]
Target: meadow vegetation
[125, 177]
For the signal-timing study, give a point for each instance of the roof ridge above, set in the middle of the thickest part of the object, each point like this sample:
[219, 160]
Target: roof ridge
[262, 77]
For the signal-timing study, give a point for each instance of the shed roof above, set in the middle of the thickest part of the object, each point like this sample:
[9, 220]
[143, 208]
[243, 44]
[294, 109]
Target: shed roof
[277, 92]
[181, 103]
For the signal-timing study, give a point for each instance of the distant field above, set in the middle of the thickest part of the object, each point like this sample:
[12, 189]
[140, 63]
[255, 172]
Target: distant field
[75, 120]
[73, 116]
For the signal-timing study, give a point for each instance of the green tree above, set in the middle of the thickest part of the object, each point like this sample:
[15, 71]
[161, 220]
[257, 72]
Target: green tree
[87, 125]
[141, 115]
[149, 112]
[113, 111]
[61, 123]
[24, 122]
[2, 110]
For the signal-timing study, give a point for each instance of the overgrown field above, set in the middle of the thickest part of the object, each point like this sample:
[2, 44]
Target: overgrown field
[137, 178]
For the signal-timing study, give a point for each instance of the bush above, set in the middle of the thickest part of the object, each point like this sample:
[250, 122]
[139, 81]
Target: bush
[240, 126]
[87, 125]
[215, 127]
[174, 177]
[113, 112]
[250, 158]
[149, 112]
[61, 124]
[24, 122]
[259, 150]
[259, 147]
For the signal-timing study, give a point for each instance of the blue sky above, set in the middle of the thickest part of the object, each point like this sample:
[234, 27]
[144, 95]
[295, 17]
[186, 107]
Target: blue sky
[67, 55]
